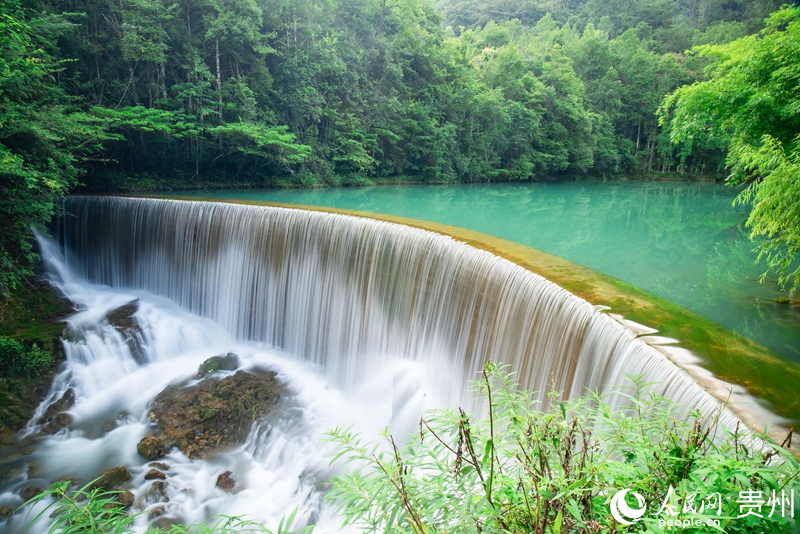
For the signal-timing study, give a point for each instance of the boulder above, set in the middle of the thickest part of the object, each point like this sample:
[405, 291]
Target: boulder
[154, 474]
[151, 448]
[112, 478]
[29, 493]
[5, 512]
[125, 498]
[159, 465]
[213, 413]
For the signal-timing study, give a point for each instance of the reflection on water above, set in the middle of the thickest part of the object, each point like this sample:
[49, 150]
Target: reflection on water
[683, 242]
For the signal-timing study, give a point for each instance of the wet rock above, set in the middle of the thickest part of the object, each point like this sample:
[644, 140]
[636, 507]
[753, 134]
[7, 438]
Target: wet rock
[216, 413]
[5, 512]
[109, 425]
[124, 321]
[225, 481]
[158, 511]
[227, 362]
[54, 418]
[151, 448]
[29, 493]
[154, 474]
[125, 498]
[159, 465]
[157, 492]
[112, 478]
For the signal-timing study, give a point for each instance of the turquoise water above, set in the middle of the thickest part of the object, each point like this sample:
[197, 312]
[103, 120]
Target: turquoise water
[683, 242]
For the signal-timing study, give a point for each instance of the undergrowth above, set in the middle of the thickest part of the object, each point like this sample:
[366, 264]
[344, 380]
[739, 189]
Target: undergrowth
[529, 469]
[531, 466]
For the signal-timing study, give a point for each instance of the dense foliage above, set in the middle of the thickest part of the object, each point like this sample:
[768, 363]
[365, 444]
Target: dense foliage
[527, 469]
[42, 137]
[272, 91]
[751, 101]
[145, 94]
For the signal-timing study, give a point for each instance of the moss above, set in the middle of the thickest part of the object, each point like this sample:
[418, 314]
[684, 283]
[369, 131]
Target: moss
[199, 418]
[32, 313]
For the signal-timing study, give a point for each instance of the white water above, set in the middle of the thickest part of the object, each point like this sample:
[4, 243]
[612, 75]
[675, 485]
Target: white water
[368, 322]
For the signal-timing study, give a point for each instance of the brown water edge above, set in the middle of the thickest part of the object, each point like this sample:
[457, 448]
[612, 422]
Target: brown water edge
[759, 385]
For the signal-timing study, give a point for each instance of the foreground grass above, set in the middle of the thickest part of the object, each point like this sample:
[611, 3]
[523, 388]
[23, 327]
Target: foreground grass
[555, 468]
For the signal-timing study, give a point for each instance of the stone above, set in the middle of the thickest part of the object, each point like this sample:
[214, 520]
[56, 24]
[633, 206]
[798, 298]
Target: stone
[226, 362]
[126, 498]
[5, 512]
[157, 492]
[225, 481]
[158, 511]
[29, 493]
[151, 448]
[155, 474]
[112, 478]
[159, 465]
[109, 425]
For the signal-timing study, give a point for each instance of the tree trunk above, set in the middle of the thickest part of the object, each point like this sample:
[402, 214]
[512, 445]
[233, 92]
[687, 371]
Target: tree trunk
[638, 135]
[219, 81]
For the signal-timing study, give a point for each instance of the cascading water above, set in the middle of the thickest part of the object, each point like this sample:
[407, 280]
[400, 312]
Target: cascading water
[367, 322]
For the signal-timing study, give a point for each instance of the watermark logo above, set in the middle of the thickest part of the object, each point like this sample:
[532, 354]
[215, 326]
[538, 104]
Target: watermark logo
[692, 510]
[622, 512]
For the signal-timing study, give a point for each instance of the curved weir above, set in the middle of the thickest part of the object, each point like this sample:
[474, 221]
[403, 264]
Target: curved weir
[365, 322]
[349, 294]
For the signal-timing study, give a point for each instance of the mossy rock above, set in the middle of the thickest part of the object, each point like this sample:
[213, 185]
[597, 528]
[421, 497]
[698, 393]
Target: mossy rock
[151, 447]
[227, 362]
[112, 478]
[204, 417]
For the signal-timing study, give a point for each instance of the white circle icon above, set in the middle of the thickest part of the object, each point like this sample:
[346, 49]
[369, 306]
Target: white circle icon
[624, 514]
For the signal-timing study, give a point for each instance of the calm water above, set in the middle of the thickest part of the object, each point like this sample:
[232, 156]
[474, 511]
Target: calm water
[683, 242]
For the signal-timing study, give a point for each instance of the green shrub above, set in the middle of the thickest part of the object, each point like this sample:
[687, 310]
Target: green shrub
[15, 361]
[82, 510]
[98, 511]
[38, 362]
[557, 470]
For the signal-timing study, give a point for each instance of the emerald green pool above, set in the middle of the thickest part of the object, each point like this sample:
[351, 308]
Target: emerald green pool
[681, 241]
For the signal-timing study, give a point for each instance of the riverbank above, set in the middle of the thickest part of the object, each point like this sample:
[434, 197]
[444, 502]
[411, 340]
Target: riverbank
[30, 318]
[146, 183]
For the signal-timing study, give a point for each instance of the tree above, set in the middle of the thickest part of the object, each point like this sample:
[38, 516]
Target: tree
[751, 99]
[42, 139]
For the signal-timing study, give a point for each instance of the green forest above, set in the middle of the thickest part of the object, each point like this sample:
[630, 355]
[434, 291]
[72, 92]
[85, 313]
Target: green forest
[136, 95]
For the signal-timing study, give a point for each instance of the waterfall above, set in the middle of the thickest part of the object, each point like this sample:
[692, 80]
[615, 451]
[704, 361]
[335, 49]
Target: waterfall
[346, 293]
[367, 322]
